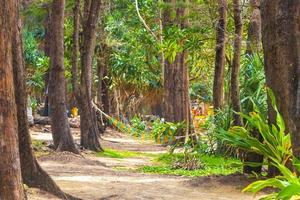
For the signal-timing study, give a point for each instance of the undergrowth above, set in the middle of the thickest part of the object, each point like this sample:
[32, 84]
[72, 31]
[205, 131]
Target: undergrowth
[112, 153]
[209, 165]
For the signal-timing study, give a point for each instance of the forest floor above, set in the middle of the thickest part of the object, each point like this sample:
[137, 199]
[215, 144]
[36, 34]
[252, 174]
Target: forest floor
[94, 177]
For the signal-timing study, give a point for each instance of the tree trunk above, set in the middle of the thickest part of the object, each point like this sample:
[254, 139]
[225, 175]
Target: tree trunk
[281, 43]
[47, 45]
[218, 88]
[254, 46]
[75, 50]
[103, 84]
[33, 175]
[235, 70]
[176, 78]
[62, 138]
[88, 120]
[10, 173]
[254, 30]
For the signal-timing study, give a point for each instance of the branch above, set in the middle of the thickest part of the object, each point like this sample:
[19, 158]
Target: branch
[143, 21]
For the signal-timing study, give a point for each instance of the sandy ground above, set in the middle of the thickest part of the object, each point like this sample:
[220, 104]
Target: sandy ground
[94, 178]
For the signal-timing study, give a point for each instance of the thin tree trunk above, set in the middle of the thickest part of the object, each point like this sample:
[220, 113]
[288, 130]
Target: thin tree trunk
[234, 90]
[281, 43]
[63, 140]
[254, 30]
[10, 173]
[75, 50]
[88, 121]
[33, 175]
[218, 87]
[254, 46]
[103, 84]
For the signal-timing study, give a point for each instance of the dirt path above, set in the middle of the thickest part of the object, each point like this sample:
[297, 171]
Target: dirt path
[93, 178]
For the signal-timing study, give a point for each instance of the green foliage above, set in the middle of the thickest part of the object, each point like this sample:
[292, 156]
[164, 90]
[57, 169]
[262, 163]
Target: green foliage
[36, 62]
[138, 125]
[112, 153]
[165, 132]
[253, 85]
[288, 183]
[276, 144]
[211, 165]
[275, 147]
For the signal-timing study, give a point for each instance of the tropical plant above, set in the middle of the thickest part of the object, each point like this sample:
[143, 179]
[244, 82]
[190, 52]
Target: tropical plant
[288, 183]
[253, 84]
[276, 143]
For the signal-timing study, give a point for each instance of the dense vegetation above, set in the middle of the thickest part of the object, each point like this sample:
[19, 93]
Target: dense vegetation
[217, 82]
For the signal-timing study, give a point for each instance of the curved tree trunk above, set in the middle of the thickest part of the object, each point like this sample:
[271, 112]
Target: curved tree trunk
[33, 175]
[281, 43]
[10, 174]
[63, 140]
[176, 78]
[235, 70]
[218, 88]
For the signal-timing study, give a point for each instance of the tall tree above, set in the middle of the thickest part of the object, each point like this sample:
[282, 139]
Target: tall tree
[281, 43]
[234, 89]
[254, 30]
[33, 175]
[176, 78]
[62, 138]
[10, 173]
[254, 46]
[103, 54]
[218, 88]
[88, 120]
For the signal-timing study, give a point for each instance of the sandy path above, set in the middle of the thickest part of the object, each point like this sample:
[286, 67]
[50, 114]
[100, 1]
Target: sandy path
[92, 178]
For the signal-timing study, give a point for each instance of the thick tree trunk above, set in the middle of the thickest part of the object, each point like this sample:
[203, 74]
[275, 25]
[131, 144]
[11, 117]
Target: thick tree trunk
[254, 30]
[235, 70]
[218, 88]
[33, 175]
[176, 78]
[281, 43]
[63, 140]
[10, 173]
[88, 120]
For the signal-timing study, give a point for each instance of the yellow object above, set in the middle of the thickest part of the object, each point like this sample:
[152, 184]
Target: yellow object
[210, 110]
[74, 112]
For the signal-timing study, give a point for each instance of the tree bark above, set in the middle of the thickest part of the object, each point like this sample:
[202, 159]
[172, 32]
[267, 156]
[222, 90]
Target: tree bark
[176, 78]
[33, 175]
[88, 120]
[62, 138]
[10, 173]
[254, 46]
[218, 87]
[103, 84]
[281, 43]
[235, 70]
[75, 49]
[254, 30]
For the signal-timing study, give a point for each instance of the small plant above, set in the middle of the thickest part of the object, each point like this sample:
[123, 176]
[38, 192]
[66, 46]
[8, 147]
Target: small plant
[165, 132]
[138, 125]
